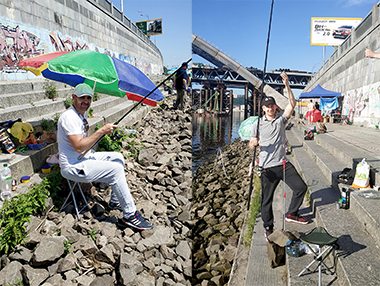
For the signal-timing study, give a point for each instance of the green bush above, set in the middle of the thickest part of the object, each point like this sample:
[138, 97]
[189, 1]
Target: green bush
[47, 125]
[50, 89]
[16, 212]
[68, 101]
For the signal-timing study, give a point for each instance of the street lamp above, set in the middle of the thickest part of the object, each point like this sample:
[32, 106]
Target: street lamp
[142, 13]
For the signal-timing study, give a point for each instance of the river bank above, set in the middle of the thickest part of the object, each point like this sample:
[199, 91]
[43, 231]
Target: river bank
[101, 251]
[220, 193]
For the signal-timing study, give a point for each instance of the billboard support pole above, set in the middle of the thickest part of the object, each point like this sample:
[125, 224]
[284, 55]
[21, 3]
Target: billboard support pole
[324, 52]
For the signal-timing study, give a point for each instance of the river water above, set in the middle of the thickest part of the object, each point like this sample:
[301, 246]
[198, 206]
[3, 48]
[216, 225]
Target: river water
[210, 133]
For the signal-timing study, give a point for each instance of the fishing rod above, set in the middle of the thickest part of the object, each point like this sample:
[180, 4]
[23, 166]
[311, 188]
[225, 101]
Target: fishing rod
[137, 104]
[261, 99]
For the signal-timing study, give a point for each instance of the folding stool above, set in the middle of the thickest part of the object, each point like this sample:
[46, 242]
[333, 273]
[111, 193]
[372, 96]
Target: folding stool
[74, 200]
[322, 238]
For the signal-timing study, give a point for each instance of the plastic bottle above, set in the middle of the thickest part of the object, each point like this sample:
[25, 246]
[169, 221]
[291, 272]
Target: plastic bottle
[6, 182]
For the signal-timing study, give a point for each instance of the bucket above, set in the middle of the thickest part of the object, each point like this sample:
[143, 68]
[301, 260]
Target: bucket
[25, 179]
[46, 169]
[6, 142]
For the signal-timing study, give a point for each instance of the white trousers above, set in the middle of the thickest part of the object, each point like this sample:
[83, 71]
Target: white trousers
[106, 167]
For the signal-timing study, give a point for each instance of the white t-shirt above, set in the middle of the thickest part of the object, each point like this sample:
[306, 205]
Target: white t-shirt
[70, 123]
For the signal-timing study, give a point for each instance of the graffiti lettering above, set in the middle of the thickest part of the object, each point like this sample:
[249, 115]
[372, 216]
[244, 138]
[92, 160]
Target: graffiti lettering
[15, 45]
[66, 44]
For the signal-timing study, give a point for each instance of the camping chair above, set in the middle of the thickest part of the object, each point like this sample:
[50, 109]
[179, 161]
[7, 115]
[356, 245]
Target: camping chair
[74, 200]
[322, 238]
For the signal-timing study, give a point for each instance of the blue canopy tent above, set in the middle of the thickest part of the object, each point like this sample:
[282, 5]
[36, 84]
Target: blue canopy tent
[328, 99]
[319, 92]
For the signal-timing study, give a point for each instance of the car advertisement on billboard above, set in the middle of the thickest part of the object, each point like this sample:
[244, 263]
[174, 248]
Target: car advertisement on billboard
[331, 31]
[150, 27]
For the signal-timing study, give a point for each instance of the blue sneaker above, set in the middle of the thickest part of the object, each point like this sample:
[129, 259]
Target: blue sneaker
[137, 221]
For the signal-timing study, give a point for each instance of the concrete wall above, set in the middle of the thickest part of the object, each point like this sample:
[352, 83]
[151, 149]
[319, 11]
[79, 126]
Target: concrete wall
[356, 77]
[33, 27]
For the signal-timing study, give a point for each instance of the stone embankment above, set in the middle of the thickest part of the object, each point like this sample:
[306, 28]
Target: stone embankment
[219, 211]
[99, 251]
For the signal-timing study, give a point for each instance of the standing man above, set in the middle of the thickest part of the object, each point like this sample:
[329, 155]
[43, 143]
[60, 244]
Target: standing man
[180, 84]
[107, 167]
[272, 152]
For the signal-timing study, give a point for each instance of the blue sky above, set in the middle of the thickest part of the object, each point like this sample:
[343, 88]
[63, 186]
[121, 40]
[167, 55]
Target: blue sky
[240, 28]
[175, 42]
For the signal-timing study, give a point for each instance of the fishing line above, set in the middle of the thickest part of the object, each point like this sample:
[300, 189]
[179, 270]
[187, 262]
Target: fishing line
[261, 98]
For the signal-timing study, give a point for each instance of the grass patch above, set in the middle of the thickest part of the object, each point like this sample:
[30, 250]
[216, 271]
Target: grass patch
[254, 210]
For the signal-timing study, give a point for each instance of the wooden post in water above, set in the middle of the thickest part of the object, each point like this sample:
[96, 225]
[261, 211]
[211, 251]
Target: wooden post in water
[231, 102]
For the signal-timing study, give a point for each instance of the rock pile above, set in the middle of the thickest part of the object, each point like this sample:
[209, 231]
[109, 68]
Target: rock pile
[218, 212]
[96, 250]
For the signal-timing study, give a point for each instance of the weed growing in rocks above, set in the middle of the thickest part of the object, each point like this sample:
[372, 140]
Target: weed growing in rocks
[254, 210]
[92, 233]
[47, 125]
[68, 101]
[16, 212]
[16, 283]
[67, 244]
[50, 89]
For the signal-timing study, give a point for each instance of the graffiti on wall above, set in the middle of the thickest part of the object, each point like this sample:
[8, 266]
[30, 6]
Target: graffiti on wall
[15, 45]
[66, 44]
[355, 102]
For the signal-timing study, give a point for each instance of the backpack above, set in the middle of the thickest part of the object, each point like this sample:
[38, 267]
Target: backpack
[308, 135]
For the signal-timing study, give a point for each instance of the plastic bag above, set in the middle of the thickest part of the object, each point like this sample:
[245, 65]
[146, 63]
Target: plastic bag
[361, 175]
[21, 130]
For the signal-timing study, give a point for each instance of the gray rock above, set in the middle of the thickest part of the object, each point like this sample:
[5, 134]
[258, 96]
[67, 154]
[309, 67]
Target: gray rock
[22, 254]
[49, 249]
[105, 254]
[183, 249]
[85, 243]
[129, 267]
[147, 156]
[70, 234]
[33, 238]
[84, 280]
[67, 263]
[34, 276]
[55, 280]
[160, 236]
[104, 280]
[11, 273]
[71, 275]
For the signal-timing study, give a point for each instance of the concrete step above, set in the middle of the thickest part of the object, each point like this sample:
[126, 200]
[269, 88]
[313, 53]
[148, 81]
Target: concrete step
[32, 110]
[358, 256]
[332, 156]
[16, 99]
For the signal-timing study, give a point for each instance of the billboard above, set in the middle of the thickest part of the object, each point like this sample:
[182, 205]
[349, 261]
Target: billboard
[150, 27]
[331, 31]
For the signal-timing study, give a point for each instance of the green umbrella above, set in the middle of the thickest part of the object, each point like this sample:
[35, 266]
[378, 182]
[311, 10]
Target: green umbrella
[246, 128]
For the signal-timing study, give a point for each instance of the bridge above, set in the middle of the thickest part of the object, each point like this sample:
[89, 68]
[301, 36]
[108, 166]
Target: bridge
[297, 79]
[231, 74]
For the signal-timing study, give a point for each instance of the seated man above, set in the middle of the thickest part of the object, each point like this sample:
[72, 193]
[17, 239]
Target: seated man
[107, 167]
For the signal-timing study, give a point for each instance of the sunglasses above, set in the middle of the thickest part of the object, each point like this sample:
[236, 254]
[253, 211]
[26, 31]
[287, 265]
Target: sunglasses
[86, 126]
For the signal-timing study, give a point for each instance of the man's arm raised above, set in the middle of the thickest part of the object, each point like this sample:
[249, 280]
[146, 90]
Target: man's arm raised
[292, 101]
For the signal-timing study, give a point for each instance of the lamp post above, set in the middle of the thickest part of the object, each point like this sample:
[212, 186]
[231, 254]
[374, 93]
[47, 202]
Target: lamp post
[142, 13]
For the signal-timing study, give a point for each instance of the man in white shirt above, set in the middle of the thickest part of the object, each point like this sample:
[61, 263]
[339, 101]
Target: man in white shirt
[107, 167]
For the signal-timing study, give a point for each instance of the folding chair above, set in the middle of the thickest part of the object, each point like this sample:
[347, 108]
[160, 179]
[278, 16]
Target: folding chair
[74, 200]
[322, 238]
